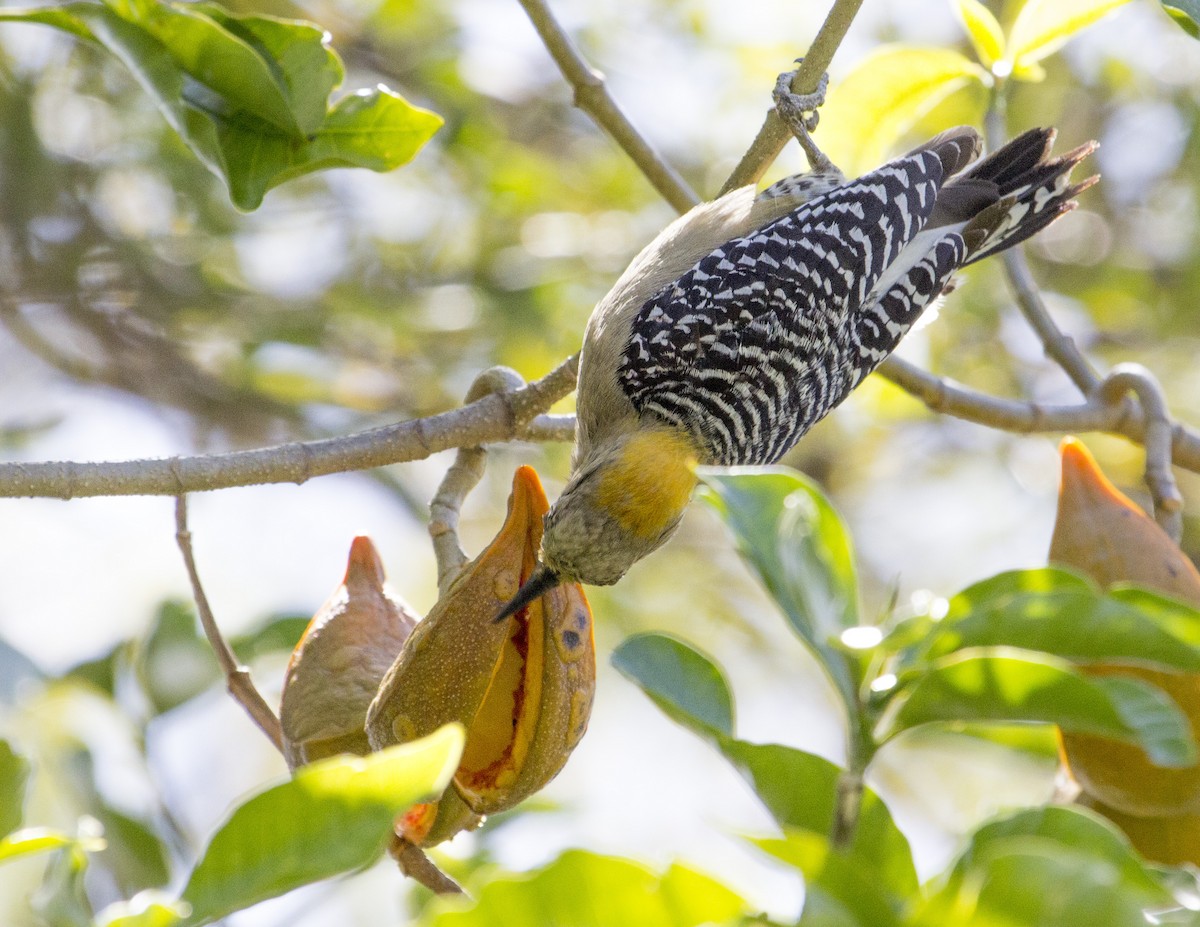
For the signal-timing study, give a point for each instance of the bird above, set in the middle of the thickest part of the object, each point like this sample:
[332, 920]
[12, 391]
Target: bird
[746, 320]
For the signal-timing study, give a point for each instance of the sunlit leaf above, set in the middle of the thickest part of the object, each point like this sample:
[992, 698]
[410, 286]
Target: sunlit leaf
[1051, 867]
[1004, 684]
[248, 95]
[1044, 26]
[236, 76]
[869, 111]
[1186, 13]
[982, 28]
[1058, 613]
[147, 909]
[583, 889]
[684, 683]
[32, 840]
[14, 775]
[334, 816]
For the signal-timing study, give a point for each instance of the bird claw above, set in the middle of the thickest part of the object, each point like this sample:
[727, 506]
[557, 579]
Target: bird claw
[799, 113]
[799, 108]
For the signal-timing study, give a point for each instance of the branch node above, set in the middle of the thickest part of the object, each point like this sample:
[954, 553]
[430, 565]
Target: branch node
[1159, 439]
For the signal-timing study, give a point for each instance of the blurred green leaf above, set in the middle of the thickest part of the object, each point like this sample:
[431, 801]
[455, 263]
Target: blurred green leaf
[1006, 684]
[835, 885]
[583, 889]
[795, 541]
[173, 662]
[1044, 26]
[890, 89]
[334, 816]
[983, 30]
[248, 95]
[1055, 612]
[685, 684]
[1050, 867]
[133, 853]
[1186, 13]
[277, 635]
[14, 776]
[32, 840]
[61, 900]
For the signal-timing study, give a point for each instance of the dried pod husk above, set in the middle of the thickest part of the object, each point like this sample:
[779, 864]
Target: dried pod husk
[1102, 533]
[336, 668]
[522, 688]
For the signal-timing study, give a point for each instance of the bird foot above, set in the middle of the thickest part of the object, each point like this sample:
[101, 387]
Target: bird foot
[799, 113]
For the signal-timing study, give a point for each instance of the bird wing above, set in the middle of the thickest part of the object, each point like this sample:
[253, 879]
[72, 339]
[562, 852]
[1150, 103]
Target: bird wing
[756, 342]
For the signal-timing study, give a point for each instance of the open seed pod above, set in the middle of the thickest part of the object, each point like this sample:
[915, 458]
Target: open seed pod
[1100, 532]
[335, 670]
[522, 688]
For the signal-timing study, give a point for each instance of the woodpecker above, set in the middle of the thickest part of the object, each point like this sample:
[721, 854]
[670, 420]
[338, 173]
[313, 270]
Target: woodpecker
[749, 318]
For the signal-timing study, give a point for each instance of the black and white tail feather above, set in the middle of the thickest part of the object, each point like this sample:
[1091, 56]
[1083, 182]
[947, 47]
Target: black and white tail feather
[767, 333]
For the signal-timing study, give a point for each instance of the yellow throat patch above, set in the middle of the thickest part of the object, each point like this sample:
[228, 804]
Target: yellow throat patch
[649, 485]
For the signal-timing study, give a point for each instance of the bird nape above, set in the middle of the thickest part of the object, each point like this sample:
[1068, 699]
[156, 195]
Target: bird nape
[749, 318]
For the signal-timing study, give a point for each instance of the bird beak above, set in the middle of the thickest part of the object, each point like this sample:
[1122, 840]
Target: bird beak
[540, 581]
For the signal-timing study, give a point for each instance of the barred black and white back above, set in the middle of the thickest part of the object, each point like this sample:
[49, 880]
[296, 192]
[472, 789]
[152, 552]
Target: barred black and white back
[767, 333]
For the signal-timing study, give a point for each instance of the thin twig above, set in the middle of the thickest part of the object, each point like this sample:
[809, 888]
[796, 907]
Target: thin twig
[848, 803]
[774, 135]
[1059, 346]
[1168, 502]
[592, 96]
[237, 677]
[416, 865]
[498, 417]
[461, 477]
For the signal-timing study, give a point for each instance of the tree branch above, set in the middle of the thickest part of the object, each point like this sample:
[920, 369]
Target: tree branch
[497, 417]
[1168, 502]
[1098, 413]
[462, 476]
[774, 135]
[237, 677]
[592, 96]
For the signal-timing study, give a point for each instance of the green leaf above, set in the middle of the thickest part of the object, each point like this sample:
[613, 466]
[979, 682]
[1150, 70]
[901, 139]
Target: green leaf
[14, 776]
[248, 95]
[1056, 613]
[983, 30]
[1052, 866]
[795, 541]
[33, 840]
[1044, 26]
[800, 790]
[376, 129]
[884, 96]
[684, 683]
[333, 817]
[583, 889]
[1186, 13]
[1005, 684]
[835, 882]
[228, 66]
